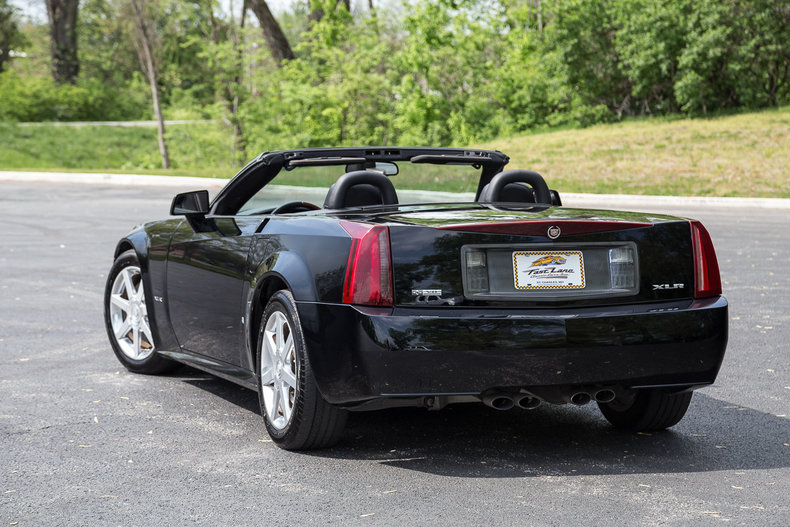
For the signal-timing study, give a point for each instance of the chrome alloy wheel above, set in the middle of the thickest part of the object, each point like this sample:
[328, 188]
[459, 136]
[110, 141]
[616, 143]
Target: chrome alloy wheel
[129, 316]
[278, 370]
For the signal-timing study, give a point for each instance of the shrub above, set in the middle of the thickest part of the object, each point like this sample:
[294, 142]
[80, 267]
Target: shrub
[40, 99]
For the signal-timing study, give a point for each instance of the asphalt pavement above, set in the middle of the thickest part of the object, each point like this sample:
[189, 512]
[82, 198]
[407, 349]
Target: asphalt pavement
[84, 442]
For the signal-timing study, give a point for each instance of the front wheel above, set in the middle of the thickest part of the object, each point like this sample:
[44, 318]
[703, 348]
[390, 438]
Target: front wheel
[296, 415]
[126, 318]
[646, 409]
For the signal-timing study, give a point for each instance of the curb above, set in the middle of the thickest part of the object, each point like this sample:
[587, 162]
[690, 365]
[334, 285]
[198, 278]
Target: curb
[131, 180]
[122, 124]
[615, 200]
[586, 200]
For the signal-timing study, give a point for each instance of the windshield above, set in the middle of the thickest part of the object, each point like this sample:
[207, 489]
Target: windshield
[311, 184]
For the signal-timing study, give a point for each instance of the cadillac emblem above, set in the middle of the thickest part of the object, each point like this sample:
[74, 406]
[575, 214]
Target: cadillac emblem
[553, 232]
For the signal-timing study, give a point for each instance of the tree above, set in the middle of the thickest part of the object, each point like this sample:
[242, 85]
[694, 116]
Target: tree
[10, 36]
[765, 51]
[583, 33]
[317, 8]
[63, 40]
[145, 52]
[649, 42]
[272, 32]
[445, 91]
[225, 54]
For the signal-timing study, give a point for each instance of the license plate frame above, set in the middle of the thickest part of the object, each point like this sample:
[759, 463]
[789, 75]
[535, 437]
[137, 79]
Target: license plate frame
[548, 270]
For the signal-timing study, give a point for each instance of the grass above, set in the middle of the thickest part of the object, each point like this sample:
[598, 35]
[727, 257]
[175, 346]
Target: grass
[746, 155]
[738, 155]
[195, 149]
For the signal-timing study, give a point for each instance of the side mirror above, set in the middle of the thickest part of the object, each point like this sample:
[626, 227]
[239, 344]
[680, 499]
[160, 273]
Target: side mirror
[189, 203]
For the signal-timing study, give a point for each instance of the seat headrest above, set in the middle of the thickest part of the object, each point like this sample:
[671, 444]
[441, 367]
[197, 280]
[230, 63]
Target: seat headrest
[361, 188]
[514, 193]
[499, 186]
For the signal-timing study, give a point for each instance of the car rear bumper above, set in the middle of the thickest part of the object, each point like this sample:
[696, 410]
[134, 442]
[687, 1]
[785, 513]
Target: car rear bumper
[360, 355]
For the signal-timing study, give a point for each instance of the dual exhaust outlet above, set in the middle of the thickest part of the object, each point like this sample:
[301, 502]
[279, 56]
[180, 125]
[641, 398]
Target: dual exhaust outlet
[601, 396]
[506, 401]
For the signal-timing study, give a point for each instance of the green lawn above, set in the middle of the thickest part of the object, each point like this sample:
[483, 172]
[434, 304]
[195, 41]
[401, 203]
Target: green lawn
[745, 155]
[195, 149]
[740, 155]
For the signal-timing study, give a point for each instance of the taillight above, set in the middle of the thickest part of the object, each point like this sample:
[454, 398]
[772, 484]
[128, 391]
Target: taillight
[707, 281]
[369, 270]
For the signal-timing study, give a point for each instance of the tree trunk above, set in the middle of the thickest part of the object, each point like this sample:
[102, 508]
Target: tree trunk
[316, 13]
[536, 10]
[9, 32]
[272, 32]
[239, 141]
[5, 52]
[7, 27]
[146, 56]
[63, 39]
[230, 89]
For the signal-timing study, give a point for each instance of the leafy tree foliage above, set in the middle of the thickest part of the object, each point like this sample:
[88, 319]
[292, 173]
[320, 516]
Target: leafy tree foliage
[650, 39]
[435, 72]
[11, 38]
[26, 98]
[337, 90]
[737, 54]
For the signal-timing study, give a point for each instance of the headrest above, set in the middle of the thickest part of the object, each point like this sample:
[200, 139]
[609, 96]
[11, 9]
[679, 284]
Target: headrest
[514, 193]
[360, 188]
[496, 191]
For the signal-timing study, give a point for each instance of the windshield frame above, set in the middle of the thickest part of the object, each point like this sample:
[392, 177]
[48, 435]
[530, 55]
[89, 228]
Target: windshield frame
[267, 166]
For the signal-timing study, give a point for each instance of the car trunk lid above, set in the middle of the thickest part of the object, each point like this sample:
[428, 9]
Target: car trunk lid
[538, 257]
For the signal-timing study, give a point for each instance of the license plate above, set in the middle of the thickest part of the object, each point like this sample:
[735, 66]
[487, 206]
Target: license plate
[548, 269]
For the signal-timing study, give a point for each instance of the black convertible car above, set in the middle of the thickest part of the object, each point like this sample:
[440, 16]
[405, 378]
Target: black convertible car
[364, 303]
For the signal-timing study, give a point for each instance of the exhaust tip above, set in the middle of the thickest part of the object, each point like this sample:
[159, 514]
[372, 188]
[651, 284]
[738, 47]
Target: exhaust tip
[502, 403]
[580, 398]
[528, 402]
[604, 396]
[499, 402]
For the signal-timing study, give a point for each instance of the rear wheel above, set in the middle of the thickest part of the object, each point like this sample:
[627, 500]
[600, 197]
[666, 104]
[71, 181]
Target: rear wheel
[647, 409]
[126, 318]
[296, 415]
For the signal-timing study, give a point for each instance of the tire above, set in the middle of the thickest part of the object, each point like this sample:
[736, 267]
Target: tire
[296, 415]
[647, 409]
[126, 318]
